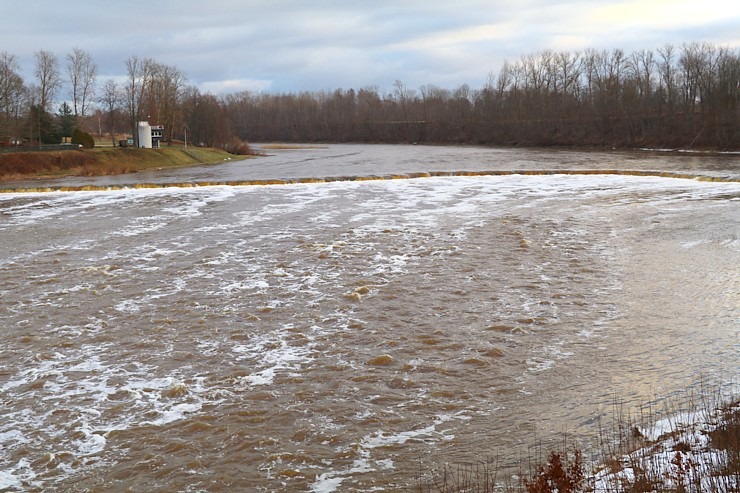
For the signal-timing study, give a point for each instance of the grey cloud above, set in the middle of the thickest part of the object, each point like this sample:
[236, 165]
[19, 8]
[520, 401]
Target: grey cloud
[294, 46]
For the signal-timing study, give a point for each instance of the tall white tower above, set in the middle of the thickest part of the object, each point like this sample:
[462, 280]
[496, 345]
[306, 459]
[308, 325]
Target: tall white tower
[145, 135]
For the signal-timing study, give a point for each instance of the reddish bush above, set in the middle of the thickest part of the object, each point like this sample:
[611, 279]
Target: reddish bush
[558, 475]
[238, 147]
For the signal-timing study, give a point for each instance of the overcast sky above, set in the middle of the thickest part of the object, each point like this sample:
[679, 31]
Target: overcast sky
[291, 46]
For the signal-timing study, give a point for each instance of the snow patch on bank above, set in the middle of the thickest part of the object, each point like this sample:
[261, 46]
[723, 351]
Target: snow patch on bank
[679, 455]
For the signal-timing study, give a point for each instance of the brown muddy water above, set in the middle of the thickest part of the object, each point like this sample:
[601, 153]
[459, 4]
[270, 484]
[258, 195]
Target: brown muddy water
[344, 336]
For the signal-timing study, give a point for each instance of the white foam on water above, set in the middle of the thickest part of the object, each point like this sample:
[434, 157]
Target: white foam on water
[175, 413]
[586, 334]
[12, 437]
[223, 258]
[429, 433]
[43, 368]
[262, 377]
[79, 383]
[142, 384]
[538, 365]
[17, 476]
[298, 198]
[153, 253]
[234, 287]
[191, 209]
[46, 206]
[548, 358]
[327, 483]
[128, 306]
[270, 355]
[393, 264]
[331, 481]
[93, 443]
[407, 212]
[89, 365]
[141, 225]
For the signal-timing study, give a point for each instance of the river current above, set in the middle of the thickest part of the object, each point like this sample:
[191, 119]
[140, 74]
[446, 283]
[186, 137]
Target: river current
[351, 335]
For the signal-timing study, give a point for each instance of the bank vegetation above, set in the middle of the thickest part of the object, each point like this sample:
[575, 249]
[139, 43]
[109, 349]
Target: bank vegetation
[101, 161]
[691, 448]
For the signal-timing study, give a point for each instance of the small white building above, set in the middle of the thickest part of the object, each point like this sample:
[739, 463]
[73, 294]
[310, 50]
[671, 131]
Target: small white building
[150, 135]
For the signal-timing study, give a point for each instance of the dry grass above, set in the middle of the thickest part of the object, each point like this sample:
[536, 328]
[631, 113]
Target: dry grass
[30, 163]
[479, 478]
[103, 161]
[691, 447]
[697, 451]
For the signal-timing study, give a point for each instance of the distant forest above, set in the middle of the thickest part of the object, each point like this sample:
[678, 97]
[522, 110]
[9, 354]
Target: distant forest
[672, 97]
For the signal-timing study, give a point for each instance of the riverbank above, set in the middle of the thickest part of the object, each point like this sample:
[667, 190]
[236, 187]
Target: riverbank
[692, 449]
[104, 161]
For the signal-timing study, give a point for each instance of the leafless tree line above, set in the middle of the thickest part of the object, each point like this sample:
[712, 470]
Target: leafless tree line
[671, 97]
[22, 105]
[686, 96]
[151, 91]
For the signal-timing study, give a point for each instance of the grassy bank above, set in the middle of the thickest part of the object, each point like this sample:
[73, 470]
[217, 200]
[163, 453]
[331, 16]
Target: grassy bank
[103, 161]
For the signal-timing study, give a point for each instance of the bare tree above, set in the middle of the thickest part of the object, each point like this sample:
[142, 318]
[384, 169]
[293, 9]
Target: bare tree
[568, 71]
[166, 86]
[206, 118]
[48, 78]
[667, 74]
[404, 96]
[110, 98]
[462, 106]
[12, 97]
[641, 66]
[139, 75]
[82, 71]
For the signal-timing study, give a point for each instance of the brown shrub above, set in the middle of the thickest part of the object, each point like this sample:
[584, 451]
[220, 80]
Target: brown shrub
[238, 147]
[558, 475]
[727, 438]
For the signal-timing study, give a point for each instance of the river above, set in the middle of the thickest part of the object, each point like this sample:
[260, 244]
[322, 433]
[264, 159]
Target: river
[346, 335]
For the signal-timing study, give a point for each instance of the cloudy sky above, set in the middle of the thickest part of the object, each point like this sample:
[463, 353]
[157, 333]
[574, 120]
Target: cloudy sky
[291, 46]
